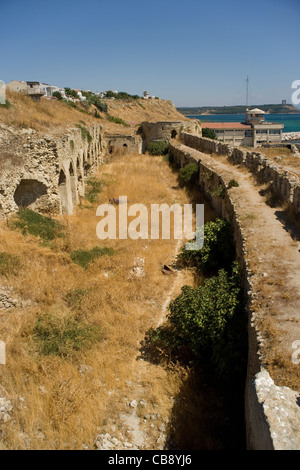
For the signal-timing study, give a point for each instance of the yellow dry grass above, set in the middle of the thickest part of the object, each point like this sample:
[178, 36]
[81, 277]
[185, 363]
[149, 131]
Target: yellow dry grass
[41, 116]
[64, 403]
[54, 116]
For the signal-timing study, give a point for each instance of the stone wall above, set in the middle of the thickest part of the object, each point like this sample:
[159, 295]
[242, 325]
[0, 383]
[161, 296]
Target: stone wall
[284, 184]
[166, 130]
[124, 144]
[272, 413]
[46, 173]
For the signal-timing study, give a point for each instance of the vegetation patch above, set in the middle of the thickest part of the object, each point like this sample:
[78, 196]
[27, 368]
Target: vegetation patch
[209, 133]
[217, 251]
[84, 257]
[208, 323]
[232, 184]
[5, 105]
[64, 335]
[158, 148]
[93, 189]
[218, 192]
[121, 95]
[211, 321]
[75, 297]
[188, 174]
[116, 120]
[85, 134]
[9, 264]
[38, 225]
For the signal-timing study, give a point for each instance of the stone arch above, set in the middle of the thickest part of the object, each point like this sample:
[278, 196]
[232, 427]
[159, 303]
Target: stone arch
[173, 134]
[86, 167]
[63, 193]
[28, 191]
[73, 183]
[80, 174]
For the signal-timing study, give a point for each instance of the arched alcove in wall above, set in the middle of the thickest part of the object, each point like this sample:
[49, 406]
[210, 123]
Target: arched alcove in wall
[73, 184]
[28, 191]
[62, 192]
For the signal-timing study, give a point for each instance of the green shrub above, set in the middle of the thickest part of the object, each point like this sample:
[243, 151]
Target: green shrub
[71, 93]
[217, 251]
[38, 225]
[101, 105]
[218, 192]
[5, 105]
[57, 95]
[116, 120]
[210, 320]
[71, 104]
[63, 335]
[93, 189]
[9, 264]
[188, 174]
[85, 134]
[84, 257]
[233, 184]
[159, 147]
[208, 133]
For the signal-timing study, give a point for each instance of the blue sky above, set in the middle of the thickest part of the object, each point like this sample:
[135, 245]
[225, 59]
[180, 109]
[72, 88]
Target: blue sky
[193, 52]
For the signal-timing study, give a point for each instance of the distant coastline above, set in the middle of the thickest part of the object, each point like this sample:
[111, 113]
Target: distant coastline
[238, 109]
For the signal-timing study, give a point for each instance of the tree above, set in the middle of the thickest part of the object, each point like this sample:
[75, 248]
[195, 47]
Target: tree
[209, 133]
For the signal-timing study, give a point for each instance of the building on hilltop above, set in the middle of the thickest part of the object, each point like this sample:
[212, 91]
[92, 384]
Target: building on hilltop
[253, 132]
[17, 85]
[36, 90]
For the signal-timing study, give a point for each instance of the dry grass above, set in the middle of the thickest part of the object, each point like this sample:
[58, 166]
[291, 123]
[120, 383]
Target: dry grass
[272, 152]
[41, 116]
[64, 403]
[51, 115]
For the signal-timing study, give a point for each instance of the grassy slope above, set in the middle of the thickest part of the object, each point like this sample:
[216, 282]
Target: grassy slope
[54, 116]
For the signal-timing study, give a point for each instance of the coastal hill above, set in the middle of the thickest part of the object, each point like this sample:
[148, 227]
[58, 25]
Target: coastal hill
[54, 116]
[239, 109]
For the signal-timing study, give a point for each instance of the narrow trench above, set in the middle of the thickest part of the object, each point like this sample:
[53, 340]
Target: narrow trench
[207, 413]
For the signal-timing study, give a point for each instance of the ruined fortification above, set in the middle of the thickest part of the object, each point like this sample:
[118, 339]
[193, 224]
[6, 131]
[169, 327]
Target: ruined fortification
[47, 174]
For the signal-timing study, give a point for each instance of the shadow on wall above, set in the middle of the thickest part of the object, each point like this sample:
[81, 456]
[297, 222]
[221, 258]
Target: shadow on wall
[63, 193]
[28, 191]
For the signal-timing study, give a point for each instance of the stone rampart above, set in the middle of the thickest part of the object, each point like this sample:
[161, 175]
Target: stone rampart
[46, 173]
[283, 183]
[272, 412]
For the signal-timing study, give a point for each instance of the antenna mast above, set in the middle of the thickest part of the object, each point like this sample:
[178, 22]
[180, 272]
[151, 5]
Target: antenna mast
[247, 91]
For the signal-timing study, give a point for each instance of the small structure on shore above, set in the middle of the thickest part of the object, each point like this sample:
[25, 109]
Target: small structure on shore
[254, 131]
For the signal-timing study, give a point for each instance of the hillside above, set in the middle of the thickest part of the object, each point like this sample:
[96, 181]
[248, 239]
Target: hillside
[55, 116]
[239, 109]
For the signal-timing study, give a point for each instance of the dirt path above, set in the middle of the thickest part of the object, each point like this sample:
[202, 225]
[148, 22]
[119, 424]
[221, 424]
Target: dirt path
[142, 424]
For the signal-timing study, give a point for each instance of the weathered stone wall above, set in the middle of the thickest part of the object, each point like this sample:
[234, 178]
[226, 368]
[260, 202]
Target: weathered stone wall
[166, 130]
[46, 173]
[283, 183]
[272, 412]
[124, 143]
